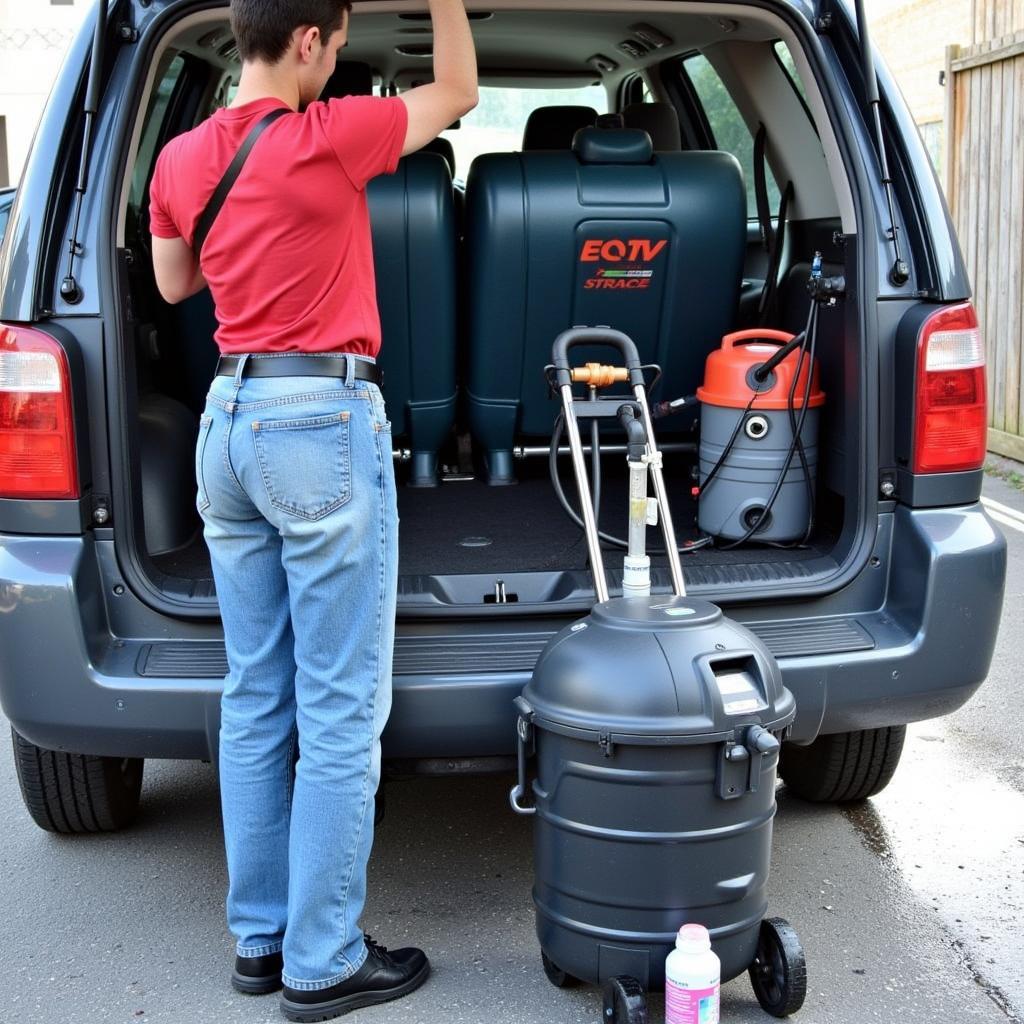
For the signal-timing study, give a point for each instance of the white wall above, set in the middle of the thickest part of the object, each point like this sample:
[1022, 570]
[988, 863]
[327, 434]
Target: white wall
[912, 36]
[34, 36]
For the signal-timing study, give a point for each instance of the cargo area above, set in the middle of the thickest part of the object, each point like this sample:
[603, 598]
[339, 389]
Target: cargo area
[468, 527]
[468, 321]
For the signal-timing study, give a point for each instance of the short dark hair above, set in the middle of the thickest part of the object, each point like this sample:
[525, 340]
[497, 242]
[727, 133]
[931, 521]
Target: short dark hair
[263, 28]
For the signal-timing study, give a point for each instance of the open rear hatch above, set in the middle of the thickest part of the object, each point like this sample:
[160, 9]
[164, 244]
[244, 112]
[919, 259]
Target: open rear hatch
[466, 546]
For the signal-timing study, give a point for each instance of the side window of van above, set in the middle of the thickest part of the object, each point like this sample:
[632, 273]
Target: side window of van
[785, 58]
[151, 134]
[730, 131]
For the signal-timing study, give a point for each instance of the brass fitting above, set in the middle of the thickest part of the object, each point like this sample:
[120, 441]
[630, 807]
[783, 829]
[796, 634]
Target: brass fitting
[598, 375]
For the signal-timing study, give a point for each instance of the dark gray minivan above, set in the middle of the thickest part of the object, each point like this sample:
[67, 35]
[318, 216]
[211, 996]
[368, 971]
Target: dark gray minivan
[756, 140]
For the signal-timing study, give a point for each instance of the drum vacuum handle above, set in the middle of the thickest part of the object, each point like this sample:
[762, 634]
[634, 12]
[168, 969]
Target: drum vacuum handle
[756, 334]
[595, 336]
[524, 730]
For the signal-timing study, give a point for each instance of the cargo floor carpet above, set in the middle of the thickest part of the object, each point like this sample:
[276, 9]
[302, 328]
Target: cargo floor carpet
[469, 527]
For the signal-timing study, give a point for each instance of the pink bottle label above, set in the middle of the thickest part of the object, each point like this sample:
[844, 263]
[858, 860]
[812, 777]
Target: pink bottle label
[690, 1005]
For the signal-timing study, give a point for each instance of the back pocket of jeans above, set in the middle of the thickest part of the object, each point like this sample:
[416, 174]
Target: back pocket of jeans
[202, 499]
[305, 463]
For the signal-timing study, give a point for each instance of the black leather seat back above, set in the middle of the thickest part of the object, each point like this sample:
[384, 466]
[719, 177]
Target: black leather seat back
[444, 148]
[660, 121]
[554, 127]
[608, 233]
[412, 218]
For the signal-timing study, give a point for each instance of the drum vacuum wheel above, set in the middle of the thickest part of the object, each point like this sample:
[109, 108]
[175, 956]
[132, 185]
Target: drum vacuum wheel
[625, 1001]
[779, 972]
[557, 977]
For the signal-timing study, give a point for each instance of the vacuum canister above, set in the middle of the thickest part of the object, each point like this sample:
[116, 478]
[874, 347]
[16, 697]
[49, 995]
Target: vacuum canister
[657, 724]
[746, 440]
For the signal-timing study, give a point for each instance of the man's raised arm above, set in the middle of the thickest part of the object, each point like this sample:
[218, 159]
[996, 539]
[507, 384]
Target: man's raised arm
[453, 93]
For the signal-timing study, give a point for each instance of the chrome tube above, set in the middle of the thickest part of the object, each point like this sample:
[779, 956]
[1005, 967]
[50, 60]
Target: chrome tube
[529, 451]
[667, 529]
[583, 488]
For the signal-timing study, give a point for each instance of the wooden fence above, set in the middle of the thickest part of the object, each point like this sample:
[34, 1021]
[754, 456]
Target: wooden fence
[993, 19]
[985, 189]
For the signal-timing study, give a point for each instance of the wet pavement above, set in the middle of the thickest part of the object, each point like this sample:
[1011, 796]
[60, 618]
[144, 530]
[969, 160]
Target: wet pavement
[910, 907]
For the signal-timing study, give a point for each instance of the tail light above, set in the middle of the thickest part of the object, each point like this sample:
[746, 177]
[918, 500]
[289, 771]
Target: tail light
[951, 416]
[37, 441]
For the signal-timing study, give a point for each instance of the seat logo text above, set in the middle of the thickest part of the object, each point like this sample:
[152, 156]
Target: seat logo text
[633, 252]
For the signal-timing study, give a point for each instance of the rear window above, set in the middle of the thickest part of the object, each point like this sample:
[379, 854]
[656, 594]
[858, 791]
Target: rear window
[155, 116]
[727, 126]
[789, 66]
[496, 124]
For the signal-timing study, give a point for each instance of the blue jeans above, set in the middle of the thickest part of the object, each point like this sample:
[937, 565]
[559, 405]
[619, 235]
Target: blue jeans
[296, 490]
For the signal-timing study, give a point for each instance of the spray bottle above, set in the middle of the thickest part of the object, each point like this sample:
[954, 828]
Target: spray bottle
[693, 977]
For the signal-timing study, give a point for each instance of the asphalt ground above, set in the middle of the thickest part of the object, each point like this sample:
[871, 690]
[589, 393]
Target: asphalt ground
[910, 907]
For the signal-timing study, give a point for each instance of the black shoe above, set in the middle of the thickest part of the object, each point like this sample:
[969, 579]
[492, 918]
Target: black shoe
[383, 976]
[257, 975]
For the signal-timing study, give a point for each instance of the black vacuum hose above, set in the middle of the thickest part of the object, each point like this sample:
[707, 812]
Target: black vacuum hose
[808, 339]
[556, 439]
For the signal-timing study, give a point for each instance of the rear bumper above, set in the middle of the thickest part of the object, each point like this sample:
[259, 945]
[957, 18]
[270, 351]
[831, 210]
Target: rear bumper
[85, 667]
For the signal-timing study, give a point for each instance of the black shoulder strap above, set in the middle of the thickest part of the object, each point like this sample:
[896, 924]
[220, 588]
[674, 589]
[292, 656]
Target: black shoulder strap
[769, 294]
[771, 238]
[764, 213]
[213, 207]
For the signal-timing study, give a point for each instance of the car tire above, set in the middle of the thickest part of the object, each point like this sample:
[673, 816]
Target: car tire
[843, 767]
[76, 793]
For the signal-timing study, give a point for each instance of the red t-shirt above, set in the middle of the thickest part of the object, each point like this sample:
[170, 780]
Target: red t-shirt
[289, 259]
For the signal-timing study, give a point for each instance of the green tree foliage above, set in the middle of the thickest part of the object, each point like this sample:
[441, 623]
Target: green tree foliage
[727, 125]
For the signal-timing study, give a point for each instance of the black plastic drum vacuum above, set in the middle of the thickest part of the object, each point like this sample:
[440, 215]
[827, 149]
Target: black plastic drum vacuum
[656, 722]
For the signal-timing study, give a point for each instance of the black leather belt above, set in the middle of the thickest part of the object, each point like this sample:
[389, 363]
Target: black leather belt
[301, 365]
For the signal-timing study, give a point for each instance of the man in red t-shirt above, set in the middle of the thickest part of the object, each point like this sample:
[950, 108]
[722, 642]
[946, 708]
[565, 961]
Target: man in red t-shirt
[295, 481]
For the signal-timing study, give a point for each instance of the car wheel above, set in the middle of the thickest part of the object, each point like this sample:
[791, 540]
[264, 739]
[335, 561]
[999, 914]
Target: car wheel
[843, 767]
[73, 793]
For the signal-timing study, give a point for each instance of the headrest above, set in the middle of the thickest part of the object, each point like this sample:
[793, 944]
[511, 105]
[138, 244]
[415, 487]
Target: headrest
[612, 146]
[445, 149]
[350, 78]
[659, 120]
[554, 127]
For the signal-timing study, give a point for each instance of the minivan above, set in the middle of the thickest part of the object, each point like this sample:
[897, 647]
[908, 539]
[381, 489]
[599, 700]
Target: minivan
[765, 138]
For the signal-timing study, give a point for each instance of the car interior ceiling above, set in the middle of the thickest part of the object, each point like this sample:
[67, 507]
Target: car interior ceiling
[454, 320]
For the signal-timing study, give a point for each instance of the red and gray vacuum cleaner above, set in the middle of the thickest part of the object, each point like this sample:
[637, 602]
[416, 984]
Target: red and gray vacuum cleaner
[656, 724]
[760, 404]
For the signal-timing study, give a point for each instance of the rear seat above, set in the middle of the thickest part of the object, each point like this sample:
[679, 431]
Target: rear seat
[554, 127]
[445, 149]
[412, 219]
[607, 233]
[659, 120]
